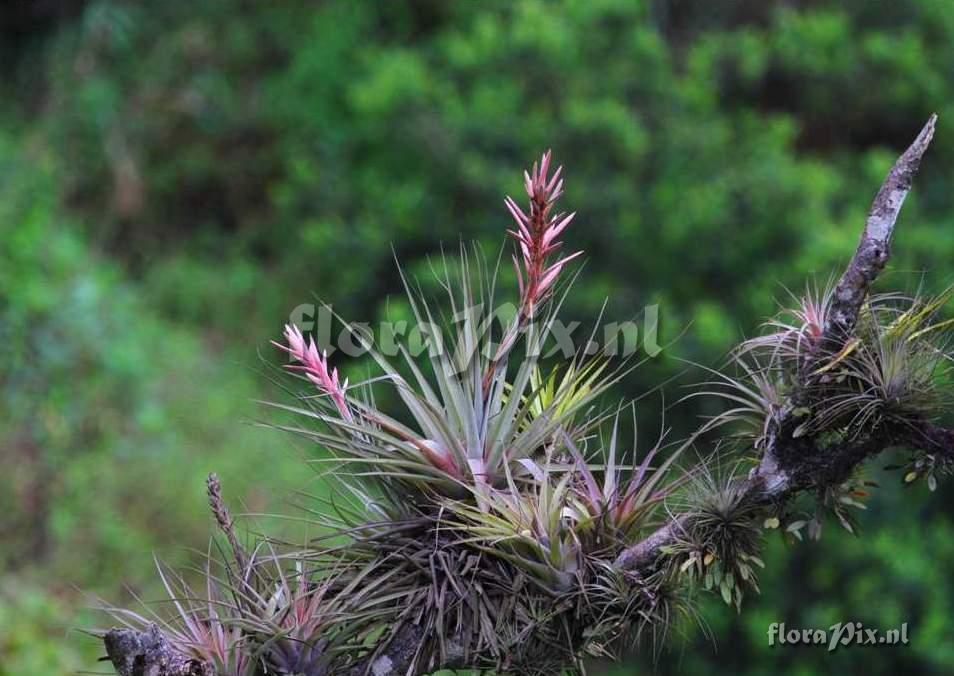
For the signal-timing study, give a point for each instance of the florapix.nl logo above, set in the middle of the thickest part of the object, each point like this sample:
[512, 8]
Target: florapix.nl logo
[837, 635]
[564, 339]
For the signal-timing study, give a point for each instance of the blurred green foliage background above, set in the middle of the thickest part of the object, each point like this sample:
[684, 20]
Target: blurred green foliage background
[176, 177]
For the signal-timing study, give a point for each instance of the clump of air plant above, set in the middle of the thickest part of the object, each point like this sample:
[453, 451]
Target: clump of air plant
[620, 608]
[773, 369]
[268, 620]
[253, 615]
[893, 372]
[470, 417]
[204, 626]
[548, 524]
[291, 619]
[795, 334]
[501, 578]
[720, 537]
[755, 397]
[613, 501]
[489, 512]
[531, 529]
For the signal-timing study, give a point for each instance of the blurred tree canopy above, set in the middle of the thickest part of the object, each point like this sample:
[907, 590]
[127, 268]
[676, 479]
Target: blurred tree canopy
[176, 177]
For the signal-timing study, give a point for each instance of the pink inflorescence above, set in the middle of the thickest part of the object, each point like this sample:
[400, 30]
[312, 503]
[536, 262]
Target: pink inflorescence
[537, 234]
[314, 364]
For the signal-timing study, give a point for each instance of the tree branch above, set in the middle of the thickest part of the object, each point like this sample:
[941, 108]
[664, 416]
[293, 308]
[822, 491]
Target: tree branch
[768, 484]
[783, 468]
[148, 653]
[874, 248]
[397, 657]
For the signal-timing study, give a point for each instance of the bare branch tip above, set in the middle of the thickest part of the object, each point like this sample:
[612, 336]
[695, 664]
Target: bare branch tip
[923, 139]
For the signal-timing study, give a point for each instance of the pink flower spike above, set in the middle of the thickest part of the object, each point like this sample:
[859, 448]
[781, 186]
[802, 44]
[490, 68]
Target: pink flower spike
[315, 366]
[538, 230]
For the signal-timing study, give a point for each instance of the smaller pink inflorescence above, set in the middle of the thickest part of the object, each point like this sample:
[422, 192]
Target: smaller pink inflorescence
[314, 364]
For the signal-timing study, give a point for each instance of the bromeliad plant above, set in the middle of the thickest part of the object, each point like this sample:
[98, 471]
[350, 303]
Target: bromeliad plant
[497, 520]
[473, 417]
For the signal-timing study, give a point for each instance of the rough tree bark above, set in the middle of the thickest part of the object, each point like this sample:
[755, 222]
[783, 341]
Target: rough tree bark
[148, 653]
[790, 464]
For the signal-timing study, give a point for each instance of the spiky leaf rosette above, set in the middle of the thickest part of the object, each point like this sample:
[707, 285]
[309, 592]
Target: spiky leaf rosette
[720, 534]
[520, 605]
[471, 414]
[256, 611]
[892, 369]
[204, 626]
[889, 377]
[503, 579]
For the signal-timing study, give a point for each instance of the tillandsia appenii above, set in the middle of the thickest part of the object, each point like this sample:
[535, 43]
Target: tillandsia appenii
[499, 522]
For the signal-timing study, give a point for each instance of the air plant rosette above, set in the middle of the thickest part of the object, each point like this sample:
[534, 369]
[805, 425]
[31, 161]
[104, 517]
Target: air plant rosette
[720, 534]
[493, 552]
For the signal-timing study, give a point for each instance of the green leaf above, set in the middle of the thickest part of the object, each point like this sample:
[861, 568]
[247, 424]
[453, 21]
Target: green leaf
[726, 593]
